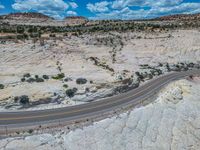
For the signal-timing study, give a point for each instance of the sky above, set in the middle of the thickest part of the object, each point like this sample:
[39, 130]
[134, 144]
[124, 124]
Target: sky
[106, 9]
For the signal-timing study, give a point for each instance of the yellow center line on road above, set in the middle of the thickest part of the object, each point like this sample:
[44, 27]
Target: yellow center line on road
[75, 111]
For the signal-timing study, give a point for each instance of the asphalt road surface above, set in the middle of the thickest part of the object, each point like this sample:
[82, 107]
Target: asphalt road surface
[89, 110]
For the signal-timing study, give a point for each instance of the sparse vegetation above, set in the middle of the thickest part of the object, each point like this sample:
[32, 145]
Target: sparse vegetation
[30, 131]
[98, 63]
[16, 99]
[67, 79]
[30, 80]
[24, 100]
[39, 80]
[27, 75]
[23, 79]
[65, 86]
[36, 76]
[59, 76]
[1, 86]
[46, 77]
[81, 81]
[71, 92]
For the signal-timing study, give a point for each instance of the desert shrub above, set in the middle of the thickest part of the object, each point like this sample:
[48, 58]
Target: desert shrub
[16, 99]
[59, 76]
[168, 67]
[36, 76]
[52, 35]
[30, 80]
[39, 80]
[27, 75]
[81, 81]
[23, 79]
[191, 65]
[67, 79]
[75, 90]
[1, 86]
[87, 90]
[70, 93]
[65, 86]
[24, 99]
[30, 131]
[197, 66]
[46, 77]
[140, 76]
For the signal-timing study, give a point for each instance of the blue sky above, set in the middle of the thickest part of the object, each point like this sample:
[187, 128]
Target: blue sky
[106, 9]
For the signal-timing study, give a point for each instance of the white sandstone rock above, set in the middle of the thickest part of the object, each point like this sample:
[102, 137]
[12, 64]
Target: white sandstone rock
[170, 123]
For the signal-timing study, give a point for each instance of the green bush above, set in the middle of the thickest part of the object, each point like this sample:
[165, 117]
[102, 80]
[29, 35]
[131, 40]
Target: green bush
[30, 80]
[65, 86]
[16, 99]
[46, 77]
[67, 79]
[71, 92]
[36, 76]
[23, 79]
[39, 80]
[27, 75]
[75, 90]
[30, 131]
[1, 86]
[24, 100]
[81, 81]
[59, 76]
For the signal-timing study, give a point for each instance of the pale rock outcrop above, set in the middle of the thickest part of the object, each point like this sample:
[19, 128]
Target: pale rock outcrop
[171, 122]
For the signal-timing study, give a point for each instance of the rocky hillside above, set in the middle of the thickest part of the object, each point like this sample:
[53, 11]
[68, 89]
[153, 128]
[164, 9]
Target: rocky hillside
[26, 19]
[179, 17]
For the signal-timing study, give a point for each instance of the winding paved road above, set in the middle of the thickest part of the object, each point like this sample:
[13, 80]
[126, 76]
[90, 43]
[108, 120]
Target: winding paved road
[13, 120]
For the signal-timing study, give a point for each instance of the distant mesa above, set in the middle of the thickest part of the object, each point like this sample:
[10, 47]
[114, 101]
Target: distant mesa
[33, 18]
[30, 15]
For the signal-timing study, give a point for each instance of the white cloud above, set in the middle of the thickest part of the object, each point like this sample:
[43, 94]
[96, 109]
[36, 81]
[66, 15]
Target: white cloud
[182, 8]
[122, 9]
[98, 7]
[71, 13]
[125, 13]
[120, 4]
[166, 3]
[24, 5]
[1, 6]
[54, 8]
[117, 4]
[73, 5]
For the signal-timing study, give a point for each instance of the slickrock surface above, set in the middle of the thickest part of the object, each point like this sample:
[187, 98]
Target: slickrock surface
[171, 122]
[117, 55]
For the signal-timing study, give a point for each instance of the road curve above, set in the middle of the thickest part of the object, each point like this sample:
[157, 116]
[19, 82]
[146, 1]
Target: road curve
[89, 110]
